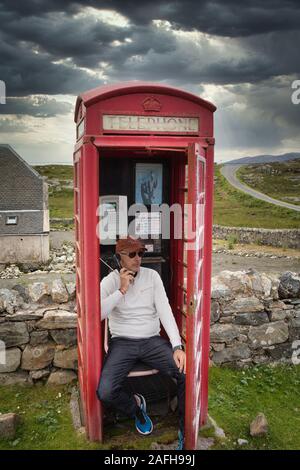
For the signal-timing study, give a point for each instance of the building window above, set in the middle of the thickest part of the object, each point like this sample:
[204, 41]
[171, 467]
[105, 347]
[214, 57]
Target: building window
[11, 220]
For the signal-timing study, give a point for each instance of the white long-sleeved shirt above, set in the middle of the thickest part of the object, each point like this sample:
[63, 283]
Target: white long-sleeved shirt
[137, 314]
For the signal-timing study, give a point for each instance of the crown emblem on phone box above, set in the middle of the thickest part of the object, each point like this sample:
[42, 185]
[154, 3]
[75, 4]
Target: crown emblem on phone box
[151, 104]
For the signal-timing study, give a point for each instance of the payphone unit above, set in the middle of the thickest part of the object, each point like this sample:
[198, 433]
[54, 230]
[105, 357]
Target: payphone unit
[143, 187]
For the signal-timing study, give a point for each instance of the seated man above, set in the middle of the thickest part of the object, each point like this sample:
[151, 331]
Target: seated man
[135, 302]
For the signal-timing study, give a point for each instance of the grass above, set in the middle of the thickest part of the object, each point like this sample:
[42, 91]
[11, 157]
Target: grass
[61, 172]
[235, 398]
[234, 208]
[46, 423]
[278, 180]
[255, 248]
[61, 203]
[231, 207]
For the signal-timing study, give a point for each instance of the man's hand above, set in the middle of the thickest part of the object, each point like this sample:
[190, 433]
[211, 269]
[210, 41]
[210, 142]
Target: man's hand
[126, 278]
[180, 360]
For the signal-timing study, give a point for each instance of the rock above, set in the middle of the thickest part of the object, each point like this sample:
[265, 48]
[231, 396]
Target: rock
[59, 292]
[289, 286]
[65, 337]
[277, 315]
[219, 290]
[15, 378]
[280, 352]
[223, 333]
[37, 357]
[75, 408]
[8, 425]
[204, 443]
[244, 305]
[261, 283]
[260, 358]
[214, 311]
[48, 308]
[275, 285]
[272, 305]
[157, 446]
[22, 315]
[268, 334]
[30, 325]
[268, 286]
[294, 331]
[14, 333]
[295, 322]
[66, 359]
[36, 375]
[256, 318]
[243, 338]
[22, 291]
[227, 319]
[242, 442]
[259, 426]
[9, 300]
[218, 346]
[10, 272]
[61, 377]
[218, 432]
[58, 319]
[238, 282]
[255, 279]
[38, 291]
[71, 288]
[233, 353]
[12, 360]
[38, 337]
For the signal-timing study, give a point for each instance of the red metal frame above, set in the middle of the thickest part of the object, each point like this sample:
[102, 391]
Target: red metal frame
[195, 291]
[183, 295]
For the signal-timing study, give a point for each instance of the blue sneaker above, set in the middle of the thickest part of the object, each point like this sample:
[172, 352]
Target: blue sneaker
[143, 423]
[180, 445]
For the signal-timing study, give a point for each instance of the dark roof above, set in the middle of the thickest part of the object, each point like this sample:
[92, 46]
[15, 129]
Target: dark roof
[7, 150]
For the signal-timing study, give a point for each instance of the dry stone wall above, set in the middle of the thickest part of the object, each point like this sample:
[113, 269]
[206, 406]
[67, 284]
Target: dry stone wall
[255, 319]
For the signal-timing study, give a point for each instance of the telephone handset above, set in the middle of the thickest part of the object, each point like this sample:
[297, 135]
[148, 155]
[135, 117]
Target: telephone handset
[117, 260]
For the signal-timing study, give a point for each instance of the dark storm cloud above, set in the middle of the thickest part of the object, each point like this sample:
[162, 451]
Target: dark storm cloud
[46, 49]
[63, 36]
[225, 18]
[53, 47]
[258, 116]
[26, 72]
[272, 101]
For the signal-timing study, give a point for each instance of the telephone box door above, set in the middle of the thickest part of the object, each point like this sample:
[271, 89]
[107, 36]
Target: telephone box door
[194, 244]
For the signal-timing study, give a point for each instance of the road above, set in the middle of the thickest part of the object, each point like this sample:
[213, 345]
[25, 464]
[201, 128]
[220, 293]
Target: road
[229, 172]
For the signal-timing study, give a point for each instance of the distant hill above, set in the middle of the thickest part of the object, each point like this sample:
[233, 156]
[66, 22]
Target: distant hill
[264, 159]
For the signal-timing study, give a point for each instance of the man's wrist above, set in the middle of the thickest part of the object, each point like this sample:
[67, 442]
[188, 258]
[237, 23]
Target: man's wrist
[178, 347]
[123, 290]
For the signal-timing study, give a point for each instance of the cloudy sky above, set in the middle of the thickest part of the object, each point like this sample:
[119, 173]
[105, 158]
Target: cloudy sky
[242, 56]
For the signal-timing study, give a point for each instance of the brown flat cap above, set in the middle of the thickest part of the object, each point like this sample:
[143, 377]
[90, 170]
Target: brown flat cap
[130, 244]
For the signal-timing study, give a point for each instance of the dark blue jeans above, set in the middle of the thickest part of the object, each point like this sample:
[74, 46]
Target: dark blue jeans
[122, 354]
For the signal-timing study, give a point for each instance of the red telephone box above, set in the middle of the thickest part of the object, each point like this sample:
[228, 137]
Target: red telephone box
[122, 127]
